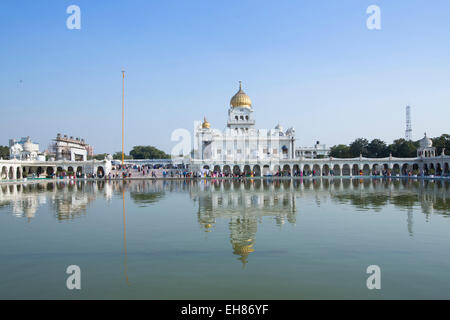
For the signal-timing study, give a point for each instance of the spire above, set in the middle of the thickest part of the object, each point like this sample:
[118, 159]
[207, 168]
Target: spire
[240, 85]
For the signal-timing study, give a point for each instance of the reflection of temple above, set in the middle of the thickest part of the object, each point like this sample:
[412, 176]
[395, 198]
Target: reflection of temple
[67, 199]
[242, 234]
[244, 204]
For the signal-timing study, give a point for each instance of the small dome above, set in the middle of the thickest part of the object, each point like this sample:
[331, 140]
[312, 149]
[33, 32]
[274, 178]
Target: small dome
[426, 142]
[241, 99]
[205, 124]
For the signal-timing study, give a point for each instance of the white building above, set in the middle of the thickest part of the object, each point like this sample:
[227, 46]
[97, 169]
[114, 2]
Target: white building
[24, 149]
[241, 142]
[241, 148]
[70, 149]
[318, 151]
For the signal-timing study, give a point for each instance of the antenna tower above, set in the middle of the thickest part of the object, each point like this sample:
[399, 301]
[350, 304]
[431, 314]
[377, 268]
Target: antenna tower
[408, 132]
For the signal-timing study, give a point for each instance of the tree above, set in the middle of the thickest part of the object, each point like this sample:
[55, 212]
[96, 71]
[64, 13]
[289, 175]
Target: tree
[100, 156]
[442, 142]
[401, 148]
[340, 151]
[358, 147]
[118, 156]
[4, 152]
[377, 149]
[148, 152]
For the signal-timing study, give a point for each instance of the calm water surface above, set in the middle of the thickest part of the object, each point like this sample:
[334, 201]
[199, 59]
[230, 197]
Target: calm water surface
[226, 240]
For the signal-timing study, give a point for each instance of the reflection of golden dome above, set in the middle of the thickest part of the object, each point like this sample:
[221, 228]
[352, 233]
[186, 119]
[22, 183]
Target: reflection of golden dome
[243, 250]
[241, 99]
[205, 124]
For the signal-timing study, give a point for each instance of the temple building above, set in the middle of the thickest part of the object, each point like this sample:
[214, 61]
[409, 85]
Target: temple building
[243, 149]
[24, 149]
[70, 149]
[241, 142]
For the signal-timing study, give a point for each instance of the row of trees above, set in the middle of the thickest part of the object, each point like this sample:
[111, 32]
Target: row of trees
[4, 152]
[138, 152]
[377, 148]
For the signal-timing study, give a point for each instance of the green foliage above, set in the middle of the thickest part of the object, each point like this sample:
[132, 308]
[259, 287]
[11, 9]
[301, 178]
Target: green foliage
[100, 156]
[401, 148]
[340, 151]
[377, 149]
[148, 152]
[358, 147]
[4, 152]
[118, 156]
[442, 142]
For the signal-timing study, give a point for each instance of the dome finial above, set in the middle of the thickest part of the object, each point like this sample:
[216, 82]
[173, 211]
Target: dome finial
[241, 99]
[205, 124]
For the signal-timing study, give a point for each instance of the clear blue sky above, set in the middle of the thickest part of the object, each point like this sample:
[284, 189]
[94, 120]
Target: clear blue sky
[309, 64]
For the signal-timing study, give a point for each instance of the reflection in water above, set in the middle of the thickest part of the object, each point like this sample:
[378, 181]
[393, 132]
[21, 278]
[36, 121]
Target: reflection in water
[124, 237]
[242, 204]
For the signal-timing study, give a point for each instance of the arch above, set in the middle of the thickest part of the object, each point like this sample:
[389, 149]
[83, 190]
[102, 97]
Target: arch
[79, 171]
[326, 170]
[295, 170]
[286, 170]
[11, 173]
[346, 170]
[50, 171]
[217, 169]
[317, 171]
[276, 170]
[266, 170]
[236, 170]
[226, 170]
[396, 168]
[306, 170]
[366, 170]
[247, 170]
[405, 169]
[438, 169]
[100, 172]
[432, 169]
[70, 171]
[376, 170]
[356, 170]
[39, 171]
[4, 174]
[337, 170]
[256, 171]
[18, 173]
[446, 169]
[425, 169]
[206, 167]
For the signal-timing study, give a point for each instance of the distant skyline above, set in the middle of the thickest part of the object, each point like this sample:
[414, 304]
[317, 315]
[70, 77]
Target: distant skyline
[311, 65]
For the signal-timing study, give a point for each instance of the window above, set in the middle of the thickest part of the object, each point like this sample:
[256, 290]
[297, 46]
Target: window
[237, 118]
[275, 151]
[265, 151]
[219, 151]
[246, 117]
[242, 117]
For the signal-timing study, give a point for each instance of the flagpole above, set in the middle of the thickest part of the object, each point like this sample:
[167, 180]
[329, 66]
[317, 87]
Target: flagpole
[123, 113]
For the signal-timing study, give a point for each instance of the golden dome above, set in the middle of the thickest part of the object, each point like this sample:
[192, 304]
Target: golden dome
[241, 99]
[205, 124]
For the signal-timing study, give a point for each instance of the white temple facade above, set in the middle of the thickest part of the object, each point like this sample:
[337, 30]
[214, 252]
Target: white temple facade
[243, 149]
[241, 143]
